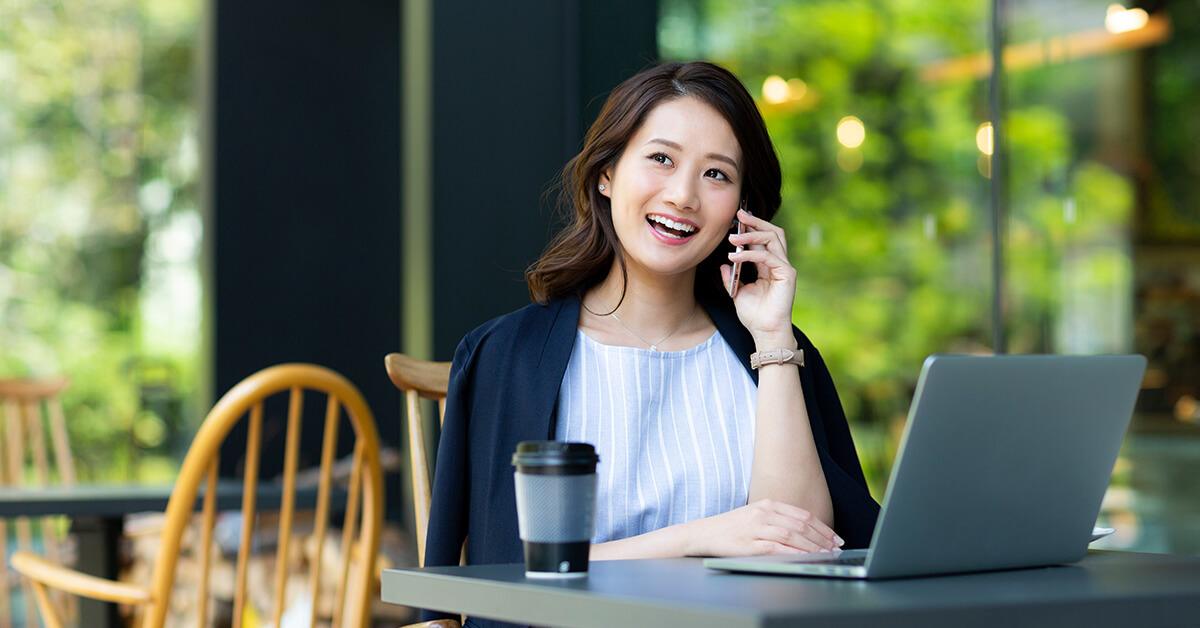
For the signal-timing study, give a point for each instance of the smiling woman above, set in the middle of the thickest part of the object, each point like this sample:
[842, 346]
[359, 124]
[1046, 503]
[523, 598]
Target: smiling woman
[677, 183]
[582, 254]
[633, 345]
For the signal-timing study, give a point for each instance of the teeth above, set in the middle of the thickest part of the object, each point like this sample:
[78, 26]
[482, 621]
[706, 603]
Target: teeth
[667, 222]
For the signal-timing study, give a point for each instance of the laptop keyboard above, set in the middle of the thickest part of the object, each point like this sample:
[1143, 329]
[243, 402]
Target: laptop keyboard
[852, 561]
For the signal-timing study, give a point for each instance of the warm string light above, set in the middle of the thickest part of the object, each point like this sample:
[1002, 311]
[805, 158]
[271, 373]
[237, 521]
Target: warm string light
[850, 132]
[983, 139]
[1122, 20]
[985, 142]
[777, 91]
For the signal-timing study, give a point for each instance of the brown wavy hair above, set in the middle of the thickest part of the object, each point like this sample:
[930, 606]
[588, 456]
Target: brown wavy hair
[581, 255]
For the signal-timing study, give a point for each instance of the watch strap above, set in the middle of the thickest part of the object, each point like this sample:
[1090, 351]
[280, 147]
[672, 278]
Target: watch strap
[776, 356]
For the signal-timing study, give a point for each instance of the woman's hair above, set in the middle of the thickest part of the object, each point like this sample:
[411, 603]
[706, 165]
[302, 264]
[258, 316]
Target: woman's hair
[581, 255]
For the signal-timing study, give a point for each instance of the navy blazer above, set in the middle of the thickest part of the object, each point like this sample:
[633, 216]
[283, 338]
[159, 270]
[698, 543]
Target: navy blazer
[504, 386]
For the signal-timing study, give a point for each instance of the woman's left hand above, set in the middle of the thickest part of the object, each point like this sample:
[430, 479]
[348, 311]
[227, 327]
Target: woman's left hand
[765, 306]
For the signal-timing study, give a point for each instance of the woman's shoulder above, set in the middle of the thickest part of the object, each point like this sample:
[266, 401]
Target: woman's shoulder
[533, 325]
[533, 315]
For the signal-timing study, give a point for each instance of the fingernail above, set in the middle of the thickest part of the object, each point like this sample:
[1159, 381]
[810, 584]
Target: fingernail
[837, 539]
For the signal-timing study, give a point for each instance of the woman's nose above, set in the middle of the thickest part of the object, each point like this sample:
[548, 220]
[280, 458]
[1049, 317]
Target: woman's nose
[680, 192]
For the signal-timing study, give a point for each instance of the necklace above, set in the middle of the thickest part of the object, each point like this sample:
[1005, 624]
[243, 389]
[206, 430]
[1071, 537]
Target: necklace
[653, 345]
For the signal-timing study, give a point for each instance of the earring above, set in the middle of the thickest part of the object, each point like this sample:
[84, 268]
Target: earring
[601, 187]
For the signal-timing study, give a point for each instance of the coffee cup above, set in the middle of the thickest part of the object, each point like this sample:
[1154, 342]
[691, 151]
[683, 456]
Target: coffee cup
[556, 504]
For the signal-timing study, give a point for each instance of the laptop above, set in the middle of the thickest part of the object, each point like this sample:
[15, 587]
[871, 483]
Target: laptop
[1003, 464]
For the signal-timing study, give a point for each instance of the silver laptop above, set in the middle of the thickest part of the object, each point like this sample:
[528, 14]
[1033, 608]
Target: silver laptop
[1003, 464]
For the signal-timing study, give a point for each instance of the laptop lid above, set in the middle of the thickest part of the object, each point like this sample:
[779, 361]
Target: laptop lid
[1004, 462]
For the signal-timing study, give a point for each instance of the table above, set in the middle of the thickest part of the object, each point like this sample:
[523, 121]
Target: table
[97, 514]
[1105, 589]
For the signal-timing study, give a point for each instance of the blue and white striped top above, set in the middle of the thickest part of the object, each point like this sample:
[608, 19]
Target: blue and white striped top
[674, 431]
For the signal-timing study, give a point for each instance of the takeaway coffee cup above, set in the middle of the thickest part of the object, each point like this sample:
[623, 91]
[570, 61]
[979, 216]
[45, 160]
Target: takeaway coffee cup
[556, 502]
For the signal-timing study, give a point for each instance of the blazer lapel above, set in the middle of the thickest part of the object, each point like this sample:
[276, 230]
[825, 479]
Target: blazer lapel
[551, 365]
[724, 316]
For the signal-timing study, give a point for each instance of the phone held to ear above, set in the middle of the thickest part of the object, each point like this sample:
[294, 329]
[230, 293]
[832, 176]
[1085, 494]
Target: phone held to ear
[735, 275]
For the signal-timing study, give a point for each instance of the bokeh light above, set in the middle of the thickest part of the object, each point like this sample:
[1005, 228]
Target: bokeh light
[983, 139]
[851, 132]
[796, 89]
[1122, 20]
[775, 90]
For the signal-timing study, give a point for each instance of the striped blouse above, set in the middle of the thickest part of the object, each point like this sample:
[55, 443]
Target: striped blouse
[674, 431]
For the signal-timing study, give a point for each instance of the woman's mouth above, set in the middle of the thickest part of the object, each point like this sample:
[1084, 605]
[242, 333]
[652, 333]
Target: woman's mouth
[670, 229]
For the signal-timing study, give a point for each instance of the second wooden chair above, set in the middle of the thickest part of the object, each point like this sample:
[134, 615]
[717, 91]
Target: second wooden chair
[429, 380]
[30, 415]
[349, 583]
[419, 379]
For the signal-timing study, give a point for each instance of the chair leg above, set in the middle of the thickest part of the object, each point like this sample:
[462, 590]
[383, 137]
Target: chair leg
[5, 597]
[25, 542]
[50, 617]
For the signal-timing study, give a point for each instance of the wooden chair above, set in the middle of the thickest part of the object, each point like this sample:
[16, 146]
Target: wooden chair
[355, 584]
[31, 409]
[419, 379]
[429, 380]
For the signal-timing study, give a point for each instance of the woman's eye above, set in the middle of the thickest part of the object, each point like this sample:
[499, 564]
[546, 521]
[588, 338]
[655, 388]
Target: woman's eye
[716, 174]
[660, 158]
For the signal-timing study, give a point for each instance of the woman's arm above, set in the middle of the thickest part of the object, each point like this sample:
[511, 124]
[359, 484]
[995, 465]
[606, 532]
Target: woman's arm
[762, 527]
[786, 467]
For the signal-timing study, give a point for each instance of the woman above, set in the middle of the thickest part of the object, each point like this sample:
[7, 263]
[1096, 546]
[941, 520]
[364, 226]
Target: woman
[634, 345]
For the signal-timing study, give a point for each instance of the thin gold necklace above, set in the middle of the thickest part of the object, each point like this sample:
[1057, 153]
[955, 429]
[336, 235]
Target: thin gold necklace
[653, 345]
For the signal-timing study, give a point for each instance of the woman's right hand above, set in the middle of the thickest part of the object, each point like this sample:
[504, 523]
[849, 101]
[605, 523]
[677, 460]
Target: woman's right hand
[763, 527]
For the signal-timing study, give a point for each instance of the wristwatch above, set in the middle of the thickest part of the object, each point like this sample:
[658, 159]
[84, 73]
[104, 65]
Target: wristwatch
[777, 356]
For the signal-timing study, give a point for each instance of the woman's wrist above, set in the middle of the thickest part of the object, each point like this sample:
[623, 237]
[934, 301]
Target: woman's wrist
[775, 340]
[671, 541]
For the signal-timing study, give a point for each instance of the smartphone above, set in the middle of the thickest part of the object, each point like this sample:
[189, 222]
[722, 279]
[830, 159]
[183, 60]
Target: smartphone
[735, 276]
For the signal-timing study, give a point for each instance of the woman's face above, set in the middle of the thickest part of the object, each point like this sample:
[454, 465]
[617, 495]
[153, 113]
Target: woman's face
[675, 188]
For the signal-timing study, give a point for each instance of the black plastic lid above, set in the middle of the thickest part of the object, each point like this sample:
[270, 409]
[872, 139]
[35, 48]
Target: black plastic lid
[553, 453]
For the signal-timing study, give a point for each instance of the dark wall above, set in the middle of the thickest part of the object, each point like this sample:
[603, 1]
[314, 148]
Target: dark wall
[307, 192]
[515, 85]
[306, 226]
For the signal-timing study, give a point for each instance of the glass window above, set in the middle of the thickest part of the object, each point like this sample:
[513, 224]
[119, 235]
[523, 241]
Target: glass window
[879, 111]
[1103, 253]
[99, 221]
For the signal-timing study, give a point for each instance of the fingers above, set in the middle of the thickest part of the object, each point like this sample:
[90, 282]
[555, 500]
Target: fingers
[760, 233]
[763, 244]
[764, 527]
[779, 267]
[813, 525]
[795, 527]
[804, 536]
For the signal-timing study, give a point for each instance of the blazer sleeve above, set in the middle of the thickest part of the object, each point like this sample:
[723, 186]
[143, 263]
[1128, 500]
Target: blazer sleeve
[854, 510]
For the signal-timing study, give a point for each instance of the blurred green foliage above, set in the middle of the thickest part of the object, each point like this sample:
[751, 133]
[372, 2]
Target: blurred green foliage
[98, 172]
[892, 239]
